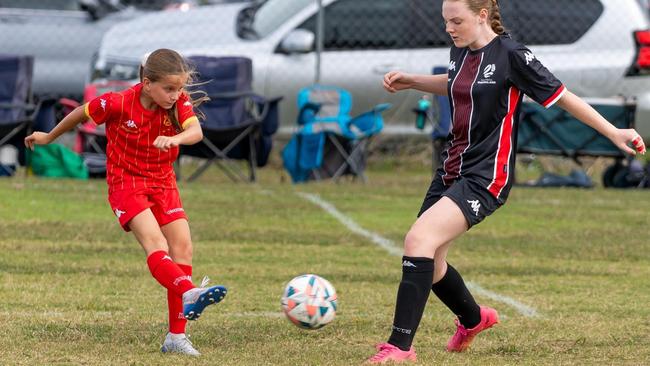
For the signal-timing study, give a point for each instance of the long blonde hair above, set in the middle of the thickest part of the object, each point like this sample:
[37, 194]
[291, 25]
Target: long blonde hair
[492, 6]
[164, 62]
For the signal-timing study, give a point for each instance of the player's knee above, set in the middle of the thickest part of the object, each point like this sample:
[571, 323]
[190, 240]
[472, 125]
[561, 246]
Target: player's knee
[417, 241]
[154, 243]
[414, 241]
[182, 249]
[188, 249]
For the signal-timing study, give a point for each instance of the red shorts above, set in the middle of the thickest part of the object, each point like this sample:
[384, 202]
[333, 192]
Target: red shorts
[165, 204]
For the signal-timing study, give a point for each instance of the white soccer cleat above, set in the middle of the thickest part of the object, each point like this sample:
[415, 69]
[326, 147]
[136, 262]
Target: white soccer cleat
[178, 343]
[196, 299]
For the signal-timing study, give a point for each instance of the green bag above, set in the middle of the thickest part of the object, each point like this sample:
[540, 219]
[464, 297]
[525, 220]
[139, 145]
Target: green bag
[57, 161]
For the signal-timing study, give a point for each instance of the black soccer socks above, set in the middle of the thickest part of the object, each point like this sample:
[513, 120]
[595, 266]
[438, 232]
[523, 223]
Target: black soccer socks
[451, 290]
[417, 277]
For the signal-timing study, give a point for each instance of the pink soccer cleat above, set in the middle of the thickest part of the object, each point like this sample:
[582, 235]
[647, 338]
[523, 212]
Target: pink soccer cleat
[386, 352]
[464, 337]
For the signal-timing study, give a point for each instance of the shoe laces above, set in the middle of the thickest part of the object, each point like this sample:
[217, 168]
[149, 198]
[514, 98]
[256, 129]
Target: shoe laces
[384, 350]
[461, 331]
[184, 344]
[204, 282]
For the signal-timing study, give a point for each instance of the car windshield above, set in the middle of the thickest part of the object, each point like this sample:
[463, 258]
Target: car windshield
[40, 4]
[273, 13]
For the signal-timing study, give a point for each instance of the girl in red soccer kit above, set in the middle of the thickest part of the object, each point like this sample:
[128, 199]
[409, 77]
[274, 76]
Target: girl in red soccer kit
[487, 77]
[145, 124]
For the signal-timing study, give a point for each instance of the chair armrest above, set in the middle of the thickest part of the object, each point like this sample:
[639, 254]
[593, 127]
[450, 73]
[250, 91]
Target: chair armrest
[232, 95]
[31, 111]
[368, 123]
[308, 113]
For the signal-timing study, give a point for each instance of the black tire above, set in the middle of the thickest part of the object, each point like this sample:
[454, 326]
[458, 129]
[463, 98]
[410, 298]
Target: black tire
[610, 173]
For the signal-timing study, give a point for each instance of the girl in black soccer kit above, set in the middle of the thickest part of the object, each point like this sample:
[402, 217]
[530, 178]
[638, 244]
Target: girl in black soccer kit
[487, 77]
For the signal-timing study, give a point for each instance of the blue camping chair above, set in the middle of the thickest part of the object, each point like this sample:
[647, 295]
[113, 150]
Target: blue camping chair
[18, 113]
[329, 142]
[239, 124]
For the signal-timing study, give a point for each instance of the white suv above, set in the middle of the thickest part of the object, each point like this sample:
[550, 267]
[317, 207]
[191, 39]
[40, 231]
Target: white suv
[598, 48]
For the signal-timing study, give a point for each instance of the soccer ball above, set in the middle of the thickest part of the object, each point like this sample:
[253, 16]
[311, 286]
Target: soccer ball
[309, 301]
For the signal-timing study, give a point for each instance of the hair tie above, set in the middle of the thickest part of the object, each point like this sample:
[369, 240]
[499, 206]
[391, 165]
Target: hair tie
[145, 58]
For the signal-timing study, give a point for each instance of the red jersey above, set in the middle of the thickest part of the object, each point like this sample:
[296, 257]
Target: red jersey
[132, 162]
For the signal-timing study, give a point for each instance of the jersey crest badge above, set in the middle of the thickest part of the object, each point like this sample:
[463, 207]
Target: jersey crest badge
[489, 70]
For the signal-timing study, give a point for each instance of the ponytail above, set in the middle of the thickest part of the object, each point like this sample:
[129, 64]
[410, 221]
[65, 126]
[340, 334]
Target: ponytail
[495, 18]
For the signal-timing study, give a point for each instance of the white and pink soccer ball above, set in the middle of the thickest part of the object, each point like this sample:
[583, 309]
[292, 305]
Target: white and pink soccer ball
[309, 301]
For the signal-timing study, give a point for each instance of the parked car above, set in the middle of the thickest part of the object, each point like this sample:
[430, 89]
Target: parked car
[63, 36]
[598, 48]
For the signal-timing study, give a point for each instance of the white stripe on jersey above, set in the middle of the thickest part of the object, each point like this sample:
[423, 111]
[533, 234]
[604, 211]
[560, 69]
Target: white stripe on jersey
[471, 113]
[453, 106]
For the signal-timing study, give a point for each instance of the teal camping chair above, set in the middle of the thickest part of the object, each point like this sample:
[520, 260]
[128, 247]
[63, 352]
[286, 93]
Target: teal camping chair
[329, 142]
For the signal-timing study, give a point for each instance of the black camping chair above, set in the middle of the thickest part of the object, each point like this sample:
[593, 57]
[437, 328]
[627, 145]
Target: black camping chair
[238, 123]
[18, 112]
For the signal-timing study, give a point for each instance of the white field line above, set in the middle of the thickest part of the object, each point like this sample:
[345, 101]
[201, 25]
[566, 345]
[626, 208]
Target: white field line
[351, 225]
[391, 248]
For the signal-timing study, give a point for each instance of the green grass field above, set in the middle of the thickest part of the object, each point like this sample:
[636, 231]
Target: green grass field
[75, 289]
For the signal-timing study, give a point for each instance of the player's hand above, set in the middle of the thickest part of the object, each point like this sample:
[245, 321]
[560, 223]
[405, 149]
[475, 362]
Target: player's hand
[37, 138]
[164, 143]
[397, 80]
[626, 137]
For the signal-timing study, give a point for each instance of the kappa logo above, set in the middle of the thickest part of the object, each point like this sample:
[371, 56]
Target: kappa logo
[174, 210]
[452, 65]
[489, 70]
[408, 264]
[119, 212]
[166, 257]
[130, 124]
[187, 104]
[102, 103]
[529, 57]
[476, 205]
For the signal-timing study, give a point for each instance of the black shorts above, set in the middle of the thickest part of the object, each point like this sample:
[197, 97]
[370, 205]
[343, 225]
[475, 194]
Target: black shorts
[474, 200]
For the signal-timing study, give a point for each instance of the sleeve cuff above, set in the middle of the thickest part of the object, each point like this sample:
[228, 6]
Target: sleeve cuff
[188, 121]
[555, 97]
[86, 110]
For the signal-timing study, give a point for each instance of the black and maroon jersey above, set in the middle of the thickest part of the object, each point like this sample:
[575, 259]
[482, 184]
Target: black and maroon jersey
[485, 89]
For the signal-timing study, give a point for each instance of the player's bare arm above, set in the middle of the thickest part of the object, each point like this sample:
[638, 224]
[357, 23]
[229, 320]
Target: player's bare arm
[191, 135]
[586, 114]
[396, 80]
[69, 122]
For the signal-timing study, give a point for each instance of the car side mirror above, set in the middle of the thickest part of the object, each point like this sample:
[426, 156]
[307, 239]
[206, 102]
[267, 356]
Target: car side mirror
[91, 7]
[298, 41]
[98, 9]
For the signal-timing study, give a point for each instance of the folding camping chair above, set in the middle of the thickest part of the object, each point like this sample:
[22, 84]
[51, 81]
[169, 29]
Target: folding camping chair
[17, 111]
[329, 142]
[238, 123]
[556, 132]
